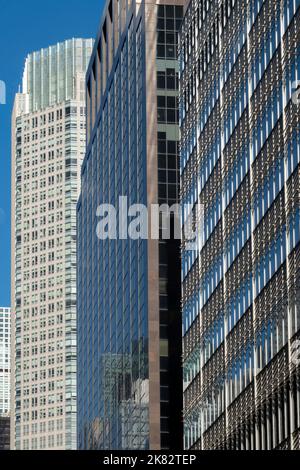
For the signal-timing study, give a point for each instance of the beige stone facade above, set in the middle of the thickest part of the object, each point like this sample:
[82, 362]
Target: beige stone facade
[48, 145]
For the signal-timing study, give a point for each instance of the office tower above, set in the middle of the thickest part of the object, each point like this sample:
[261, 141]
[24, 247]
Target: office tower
[5, 330]
[48, 145]
[240, 154]
[129, 322]
[5, 324]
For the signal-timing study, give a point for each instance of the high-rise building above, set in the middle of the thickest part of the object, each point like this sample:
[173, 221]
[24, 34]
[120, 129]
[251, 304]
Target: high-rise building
[5, 325]
[129, 322]
[48, 145]
[240, 152]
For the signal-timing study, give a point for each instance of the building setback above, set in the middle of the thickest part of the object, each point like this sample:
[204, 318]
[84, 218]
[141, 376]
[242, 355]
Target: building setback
[129, 322]
[5, 325]
[240, 154]
[48, 145]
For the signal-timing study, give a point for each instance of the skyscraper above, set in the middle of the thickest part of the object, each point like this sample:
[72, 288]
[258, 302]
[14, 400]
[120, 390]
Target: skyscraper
[129, 322]
[5, 324]
[240, 152]
[48, 145]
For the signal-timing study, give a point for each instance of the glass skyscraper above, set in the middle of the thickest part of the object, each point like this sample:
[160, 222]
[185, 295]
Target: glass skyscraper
[48, 145]
[129, 323]
[240, 152]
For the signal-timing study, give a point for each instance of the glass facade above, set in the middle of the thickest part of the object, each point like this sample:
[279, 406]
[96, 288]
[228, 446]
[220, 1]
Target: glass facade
[113, 376]
[49, 75]
[169, 18]
[115, 345]
[4, 433]
[240, 152]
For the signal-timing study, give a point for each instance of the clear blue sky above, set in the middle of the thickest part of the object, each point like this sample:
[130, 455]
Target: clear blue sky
[26, 26]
